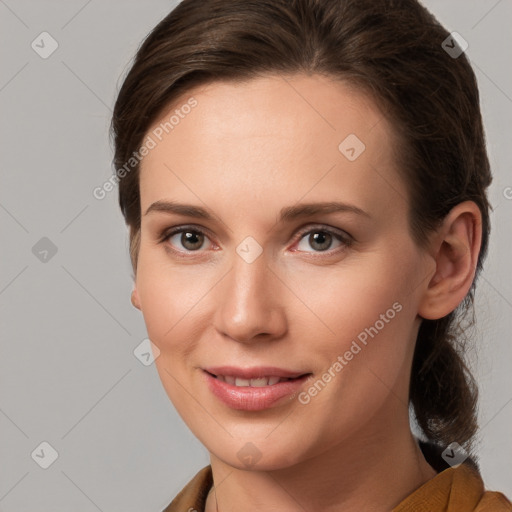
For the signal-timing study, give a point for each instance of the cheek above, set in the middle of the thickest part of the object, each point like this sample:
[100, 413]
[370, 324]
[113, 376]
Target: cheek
[364, 313]
[177, 306]
[171, 302]
[167, 296]
[344, 300]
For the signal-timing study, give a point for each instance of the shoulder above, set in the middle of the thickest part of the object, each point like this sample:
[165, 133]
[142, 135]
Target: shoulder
[192, 497]
[493, 501]
[453, 489]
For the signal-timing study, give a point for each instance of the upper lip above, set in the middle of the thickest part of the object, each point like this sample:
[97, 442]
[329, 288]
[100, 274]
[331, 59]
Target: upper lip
[254, 372]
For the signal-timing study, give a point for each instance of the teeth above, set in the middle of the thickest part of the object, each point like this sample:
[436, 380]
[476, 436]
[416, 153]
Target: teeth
[259, 382]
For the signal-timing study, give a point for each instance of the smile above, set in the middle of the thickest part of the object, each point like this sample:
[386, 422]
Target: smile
[256, 392]
[258, 383]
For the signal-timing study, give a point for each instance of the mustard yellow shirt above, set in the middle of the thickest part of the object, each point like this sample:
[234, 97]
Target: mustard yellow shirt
[457, 489]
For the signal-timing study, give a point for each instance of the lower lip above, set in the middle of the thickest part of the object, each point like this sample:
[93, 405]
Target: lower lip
[248, 398]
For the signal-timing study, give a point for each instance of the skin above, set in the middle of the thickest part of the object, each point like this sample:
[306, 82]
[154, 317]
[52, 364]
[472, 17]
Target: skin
[244, 152]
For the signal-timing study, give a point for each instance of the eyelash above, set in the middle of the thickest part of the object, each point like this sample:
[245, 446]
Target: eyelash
[343, 237]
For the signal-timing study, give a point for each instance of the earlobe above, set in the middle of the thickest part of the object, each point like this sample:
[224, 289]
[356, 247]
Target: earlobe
[456, 255]
[135, 298]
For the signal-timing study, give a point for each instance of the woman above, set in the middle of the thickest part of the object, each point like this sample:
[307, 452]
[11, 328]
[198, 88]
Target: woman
[305, 186]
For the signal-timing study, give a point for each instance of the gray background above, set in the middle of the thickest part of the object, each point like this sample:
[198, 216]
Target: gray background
[67, 368]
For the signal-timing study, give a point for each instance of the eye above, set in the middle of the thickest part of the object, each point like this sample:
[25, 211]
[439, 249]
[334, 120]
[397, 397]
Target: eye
[322, 239]
[190, 239]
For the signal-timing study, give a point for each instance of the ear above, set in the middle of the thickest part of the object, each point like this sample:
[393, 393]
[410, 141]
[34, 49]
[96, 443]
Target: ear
[455, 248]
[135, 298]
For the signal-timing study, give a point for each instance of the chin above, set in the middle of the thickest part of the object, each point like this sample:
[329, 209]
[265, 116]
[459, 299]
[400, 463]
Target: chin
[247, 455]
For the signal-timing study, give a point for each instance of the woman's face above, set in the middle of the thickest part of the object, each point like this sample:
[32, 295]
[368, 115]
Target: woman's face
[257, 279]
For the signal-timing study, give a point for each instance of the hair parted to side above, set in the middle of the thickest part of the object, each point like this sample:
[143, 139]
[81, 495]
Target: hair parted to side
[392, 50]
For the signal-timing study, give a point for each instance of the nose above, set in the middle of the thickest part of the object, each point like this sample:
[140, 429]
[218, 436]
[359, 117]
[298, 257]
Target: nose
[248, 300]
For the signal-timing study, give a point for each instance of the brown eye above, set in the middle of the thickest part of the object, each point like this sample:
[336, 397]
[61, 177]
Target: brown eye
[191, 240]
[184, 239]
[322, 240]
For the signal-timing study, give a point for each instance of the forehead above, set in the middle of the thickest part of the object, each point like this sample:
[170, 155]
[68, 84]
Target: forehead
[268, 138]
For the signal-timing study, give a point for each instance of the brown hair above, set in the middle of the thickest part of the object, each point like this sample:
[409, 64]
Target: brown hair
[393, 50]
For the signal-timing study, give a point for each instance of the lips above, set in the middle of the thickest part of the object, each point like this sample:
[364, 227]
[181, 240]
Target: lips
[254, 389]
[258, 382]
[256, 372]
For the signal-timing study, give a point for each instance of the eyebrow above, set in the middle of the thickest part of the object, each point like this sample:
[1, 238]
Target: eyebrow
[287, 214]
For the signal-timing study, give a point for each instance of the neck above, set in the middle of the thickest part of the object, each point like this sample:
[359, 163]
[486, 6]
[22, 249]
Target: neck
[372, 471]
